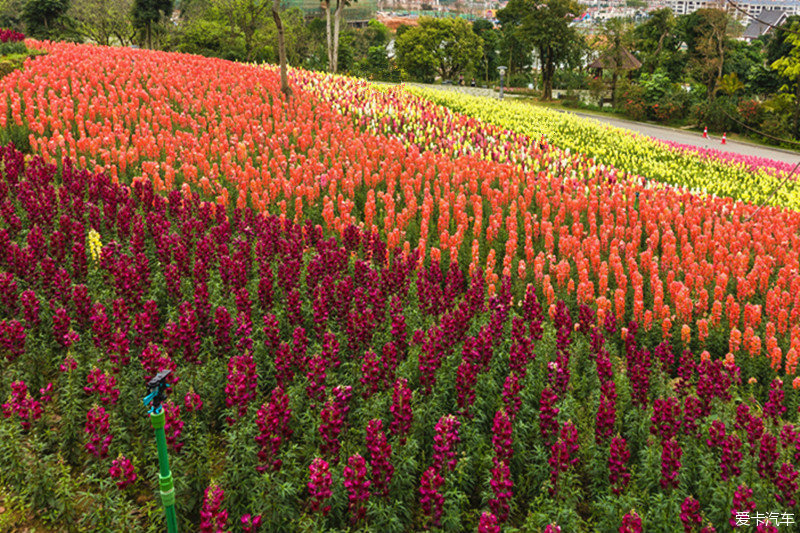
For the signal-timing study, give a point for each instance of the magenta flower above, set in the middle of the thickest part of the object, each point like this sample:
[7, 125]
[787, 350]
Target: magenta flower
[241, 386]
[666, 418]
[547, 414]
[250, 524]
[173, 425]
[488, 523]
[502, 486]
[774, 408]
[319, 485]
[617, 465]
[273, 425]
[670, 463]
[102, 384]
[316, 376]
[631, 523]
[444, 443]
[380, 457]
[502, 439]
[370, 374]
[742, 503]
[23, 405]
[431, 501]
[332, 419]
[99, 432]
[690, 514]
[357, 486]
[122, 470]
[192, 401]
[401, 409]
[786, 483]
[212, 517]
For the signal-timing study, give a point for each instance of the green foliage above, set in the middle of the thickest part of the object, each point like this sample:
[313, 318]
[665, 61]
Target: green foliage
[716, 114]
[545, 27]
[444, 46]
[12, 48]
[44, 18]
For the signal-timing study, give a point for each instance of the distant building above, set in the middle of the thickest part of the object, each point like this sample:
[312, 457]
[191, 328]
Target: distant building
[753, 8]
[766, 20]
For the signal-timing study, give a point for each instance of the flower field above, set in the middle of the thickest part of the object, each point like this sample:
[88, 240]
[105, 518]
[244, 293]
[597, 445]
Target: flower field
[380, 314]
[700, 171]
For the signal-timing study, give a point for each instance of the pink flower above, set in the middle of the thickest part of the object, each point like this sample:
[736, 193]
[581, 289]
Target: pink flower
[690, 514]
[742, 503]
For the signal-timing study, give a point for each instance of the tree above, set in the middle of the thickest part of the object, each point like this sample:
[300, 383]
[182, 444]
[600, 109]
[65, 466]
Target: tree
[706, 35]
[276, 16]
[332, 35]
[617, 33]
[788, 66]
[516, 52]
[43, 17]
[445, 46]
[104, 22]
[491, 44]
[545, 25]
[657, 44]
[246, 17]
[146, 13]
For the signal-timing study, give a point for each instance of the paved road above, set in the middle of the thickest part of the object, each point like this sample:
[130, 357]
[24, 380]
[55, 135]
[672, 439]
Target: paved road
[696, 139]
[657, 132]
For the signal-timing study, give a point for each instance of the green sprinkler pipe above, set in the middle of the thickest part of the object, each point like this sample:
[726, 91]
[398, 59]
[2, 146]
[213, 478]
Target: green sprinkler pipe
[156, 394]
[165, 476]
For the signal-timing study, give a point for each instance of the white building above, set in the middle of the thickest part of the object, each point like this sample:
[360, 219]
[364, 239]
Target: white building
[751, 7]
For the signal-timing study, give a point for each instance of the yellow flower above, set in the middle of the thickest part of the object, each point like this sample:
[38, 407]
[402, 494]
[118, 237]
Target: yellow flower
[95, 244]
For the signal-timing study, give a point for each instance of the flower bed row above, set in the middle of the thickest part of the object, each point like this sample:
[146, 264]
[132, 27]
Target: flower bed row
[324, 385]
[698, 171]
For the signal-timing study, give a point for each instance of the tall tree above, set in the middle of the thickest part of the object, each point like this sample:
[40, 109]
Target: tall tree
[276, 4]
[515, 51]
[618, 37]
[657, 43]
[448, 47]
[42, 17]
[706, 36]
[146, 13]
[332, 32]
[546, 26]
[246, 17]
[491, 44]
[788, 66]
[104, 22]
